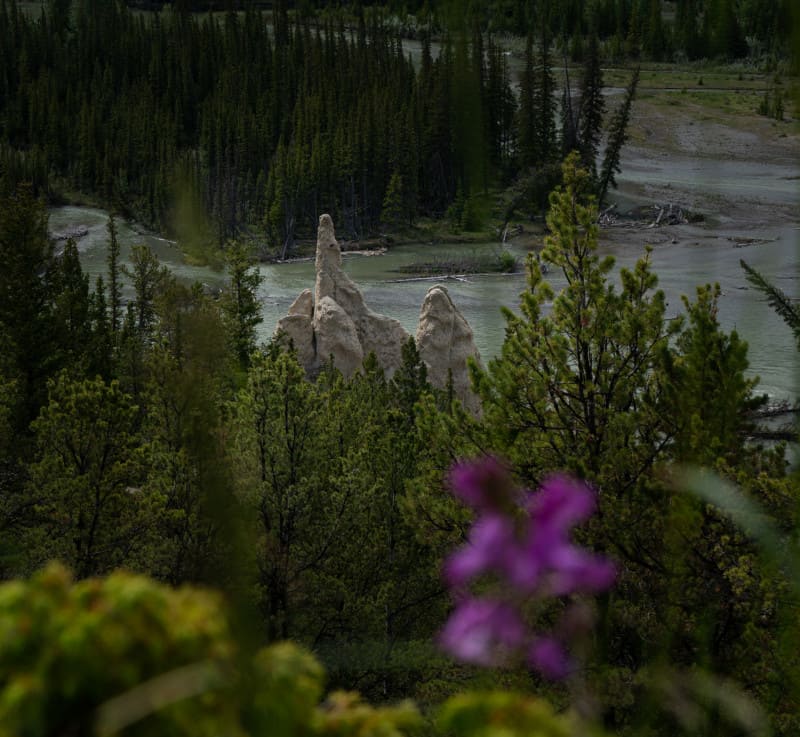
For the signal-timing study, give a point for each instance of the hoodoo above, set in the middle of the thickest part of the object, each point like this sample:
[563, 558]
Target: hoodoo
[336, 322]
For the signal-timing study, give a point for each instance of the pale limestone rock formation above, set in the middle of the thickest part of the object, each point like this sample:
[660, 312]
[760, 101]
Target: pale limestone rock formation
[445, 342]
[336, 322]
[337, 337]
[298, 327]
[378, 334]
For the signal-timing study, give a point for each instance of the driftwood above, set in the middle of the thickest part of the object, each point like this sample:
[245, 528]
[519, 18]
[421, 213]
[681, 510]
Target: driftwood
[644, 217]
[606, 217]
[75, 232]
[776, 409]
[668, 215]
[740, 242]
[509, 231]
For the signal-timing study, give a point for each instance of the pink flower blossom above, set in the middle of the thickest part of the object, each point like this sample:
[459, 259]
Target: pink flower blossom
[483, 484]
[528, 549]
[549, 657]
[483, 632]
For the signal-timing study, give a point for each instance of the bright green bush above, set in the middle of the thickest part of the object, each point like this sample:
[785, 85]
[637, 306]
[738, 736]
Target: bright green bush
[126, 655]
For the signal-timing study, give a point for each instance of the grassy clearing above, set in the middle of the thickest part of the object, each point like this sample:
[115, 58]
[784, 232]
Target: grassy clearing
[679, 78]
[31, 8]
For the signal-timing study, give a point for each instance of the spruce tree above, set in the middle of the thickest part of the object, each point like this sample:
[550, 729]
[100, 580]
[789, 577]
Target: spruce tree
[708, 392]
[240, 301]
[617, 136]
[544, 102]
[114, 277]
[392, 213]
[578, 387]
[592, 107]
[526, 122]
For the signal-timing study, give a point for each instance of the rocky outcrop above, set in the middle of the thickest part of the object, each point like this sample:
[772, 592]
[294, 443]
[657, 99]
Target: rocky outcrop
[298, 328]
[445, 342]
[335, 322]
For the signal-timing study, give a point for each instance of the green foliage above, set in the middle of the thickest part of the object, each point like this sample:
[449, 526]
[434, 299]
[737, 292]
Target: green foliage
[322, 467]
[68, 648]
[240, 303]
[502, 714]
[123, 653]
[93, 515]
[707, 385]
[577, 388]
[786, 309]
[188, 373]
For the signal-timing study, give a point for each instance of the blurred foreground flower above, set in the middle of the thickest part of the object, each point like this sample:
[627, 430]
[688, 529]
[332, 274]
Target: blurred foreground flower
[523, 538]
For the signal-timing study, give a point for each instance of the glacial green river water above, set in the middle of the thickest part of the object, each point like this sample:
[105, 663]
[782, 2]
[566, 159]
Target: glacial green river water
[698, 256]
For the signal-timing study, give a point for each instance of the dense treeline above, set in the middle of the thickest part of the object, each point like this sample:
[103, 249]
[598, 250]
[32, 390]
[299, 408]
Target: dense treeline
[262, 126]
[658, 29]
[253, 122]
[161, 439]
[654, 29]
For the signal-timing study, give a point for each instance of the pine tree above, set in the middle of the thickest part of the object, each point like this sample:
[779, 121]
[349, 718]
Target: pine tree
[545, 103]
[526, 125]
[71, 308]
[147, 276]
[780, 302]
[240, 302]
[86, 479]
[26, 286]
[617, 136]
[655, 42]
[592, 107]
[578, 388]
[393, 212]
[708, 392]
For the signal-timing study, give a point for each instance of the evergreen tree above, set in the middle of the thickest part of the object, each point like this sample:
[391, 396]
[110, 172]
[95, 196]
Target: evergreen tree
[783, 305]
[147, 276]
[100, 349]
[592, 108]
[26, 298]
[578, 389]
[617, 137]
[544, 103]
[687, 34]
[708, 389]
[86, 478]
[526, 126]
[724, 34]
[71, 308]
[240, 303]
[114, 278]
[655, 42]
[188, 375]
[393, 212]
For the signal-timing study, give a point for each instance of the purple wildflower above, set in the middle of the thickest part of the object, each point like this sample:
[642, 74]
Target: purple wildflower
[548, 656]
[492, 546]
[483, 632]
[531, 553]
[482, 484]
[561, 503]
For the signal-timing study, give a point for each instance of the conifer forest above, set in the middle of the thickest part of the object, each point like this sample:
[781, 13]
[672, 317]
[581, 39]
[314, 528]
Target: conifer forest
[200, 534]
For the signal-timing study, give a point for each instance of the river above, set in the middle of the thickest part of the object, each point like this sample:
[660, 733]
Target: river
[699, 255]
